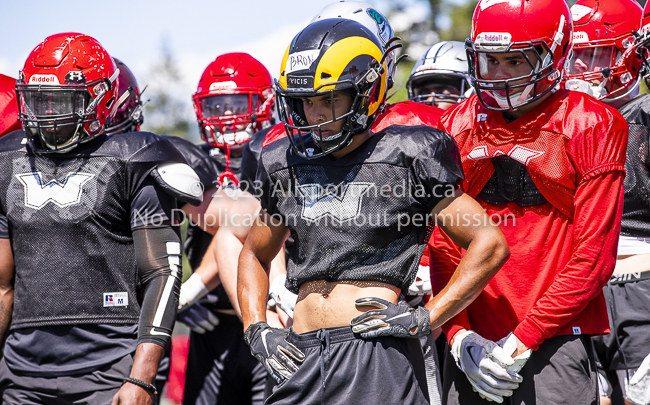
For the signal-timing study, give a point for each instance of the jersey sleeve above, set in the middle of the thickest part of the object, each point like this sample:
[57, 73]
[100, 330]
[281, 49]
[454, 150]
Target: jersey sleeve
[444, 258]
[151, 206]
[601, 148]
[436, 172]
[597, 224]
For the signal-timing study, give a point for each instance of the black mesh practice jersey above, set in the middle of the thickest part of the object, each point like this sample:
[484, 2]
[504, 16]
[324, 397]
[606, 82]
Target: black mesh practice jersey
[69, 218]
[206, 168]
[362, 217]
[636, 207]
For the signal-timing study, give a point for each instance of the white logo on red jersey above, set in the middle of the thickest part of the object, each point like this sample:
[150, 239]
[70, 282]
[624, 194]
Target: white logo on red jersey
[519, 153]
[481, 117]
[38, 194]
[318, 203]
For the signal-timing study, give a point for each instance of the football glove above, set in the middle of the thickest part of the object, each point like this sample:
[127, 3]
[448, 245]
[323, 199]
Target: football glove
[484, 363]
[422, 283]
[198, 318]
[270, 347]
[509, 344]
[281, 297]
[192, 290]
[642, 371]
[399, 320]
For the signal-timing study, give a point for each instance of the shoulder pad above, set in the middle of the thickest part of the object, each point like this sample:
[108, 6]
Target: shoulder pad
[13, 141]
[179, 181]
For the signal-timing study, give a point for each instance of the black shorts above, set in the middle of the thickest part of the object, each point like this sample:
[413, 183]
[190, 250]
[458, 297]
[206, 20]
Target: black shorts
[342, 368]
[221, 369]
[628, 306]
[97, 387]
[561, 372]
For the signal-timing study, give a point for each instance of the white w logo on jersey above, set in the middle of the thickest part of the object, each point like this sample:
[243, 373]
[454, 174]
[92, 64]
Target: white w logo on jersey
[37, 194]
[345, 207]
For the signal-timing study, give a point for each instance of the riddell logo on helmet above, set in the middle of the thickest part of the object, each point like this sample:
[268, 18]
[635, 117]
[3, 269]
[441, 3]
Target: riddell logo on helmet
[580, 37]
[223, 86]
[493, 38]
[44, 79]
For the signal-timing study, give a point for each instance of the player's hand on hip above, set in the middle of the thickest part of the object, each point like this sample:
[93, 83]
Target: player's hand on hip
[642, 371]
[131, 394]
[270, 347]
[388, 319]
[198, 318]
[485, 364]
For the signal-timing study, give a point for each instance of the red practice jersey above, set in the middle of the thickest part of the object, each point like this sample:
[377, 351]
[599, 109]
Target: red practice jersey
[9, 121]
[563, 251]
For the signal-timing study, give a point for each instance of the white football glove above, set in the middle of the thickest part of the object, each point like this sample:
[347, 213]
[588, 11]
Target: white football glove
[484, 363]
[191, 291]
[422, 283]
[642, 371]
[280, 296]
[509, 344]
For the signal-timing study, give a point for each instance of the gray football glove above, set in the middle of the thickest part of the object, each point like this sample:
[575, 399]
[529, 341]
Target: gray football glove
[270, 347]
[198, 318]
[390, 319]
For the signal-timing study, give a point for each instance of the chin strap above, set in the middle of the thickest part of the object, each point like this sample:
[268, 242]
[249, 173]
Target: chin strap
[228, 177]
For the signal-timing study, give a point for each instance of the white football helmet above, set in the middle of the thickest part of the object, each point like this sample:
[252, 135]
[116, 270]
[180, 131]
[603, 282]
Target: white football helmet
[445, 63]
[368, 16]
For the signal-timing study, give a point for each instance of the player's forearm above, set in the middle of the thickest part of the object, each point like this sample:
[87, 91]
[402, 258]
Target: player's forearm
[252, 287]
[146, 361]
[6, 287]
[483, 259]
[226, 251]
[208, 270]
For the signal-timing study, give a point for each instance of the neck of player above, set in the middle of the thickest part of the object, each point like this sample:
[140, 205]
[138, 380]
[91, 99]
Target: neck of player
[357, 140]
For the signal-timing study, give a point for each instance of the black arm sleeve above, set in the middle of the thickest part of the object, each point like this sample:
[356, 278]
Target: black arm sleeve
[158, 256]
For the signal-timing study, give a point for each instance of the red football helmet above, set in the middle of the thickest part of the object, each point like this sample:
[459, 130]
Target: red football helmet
[66, 91]
[605, 63]
[542, 27]
[128, 115]
[9, 121]
[234, 100]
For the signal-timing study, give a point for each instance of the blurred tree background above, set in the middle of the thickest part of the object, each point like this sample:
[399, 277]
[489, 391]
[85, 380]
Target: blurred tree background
[164, 112]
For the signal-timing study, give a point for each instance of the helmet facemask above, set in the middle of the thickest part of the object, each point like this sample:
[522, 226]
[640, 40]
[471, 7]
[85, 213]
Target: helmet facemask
[58, 117]
[423, 89]
[231, 119]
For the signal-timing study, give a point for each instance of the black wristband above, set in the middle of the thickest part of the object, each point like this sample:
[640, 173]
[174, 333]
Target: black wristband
[148, 387]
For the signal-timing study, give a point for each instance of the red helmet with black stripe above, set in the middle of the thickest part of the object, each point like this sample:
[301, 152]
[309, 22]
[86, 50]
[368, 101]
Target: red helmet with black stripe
[66, 91]
[128, 115]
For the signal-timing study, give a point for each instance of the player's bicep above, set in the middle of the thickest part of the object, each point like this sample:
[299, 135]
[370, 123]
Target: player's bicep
[463, 219]
[266, 237]
[6, 264]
